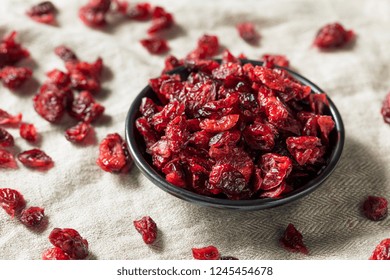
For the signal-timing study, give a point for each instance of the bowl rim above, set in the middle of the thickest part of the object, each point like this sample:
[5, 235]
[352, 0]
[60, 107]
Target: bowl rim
[250, 204]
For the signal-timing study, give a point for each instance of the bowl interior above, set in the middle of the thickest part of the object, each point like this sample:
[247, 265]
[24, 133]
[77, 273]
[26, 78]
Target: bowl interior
[143, 160]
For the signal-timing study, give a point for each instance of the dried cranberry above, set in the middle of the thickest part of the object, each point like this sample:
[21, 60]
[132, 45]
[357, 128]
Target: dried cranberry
[84, 75]
[375, 208]
[35, 158]
[12, 201]
[247, 31]
[147, 228]
[6, 118]
[78, 132]
[28, 132]
[93, 14]
[226, 179]
[113, 154]
[141, 11]
[208, 46]
[171, 62]
[7, 160]
[275, 59]
[292, 240]
[6, 139]
[85, 108]
[155, 45]
[386, 108]
[275, 169]
[149, 134]
[333, 36]
[50, 104]
[65, 53]
[382, 250]
[70, 242]
[206, 253]
[161, 20]
[10, 51]
[54, 254]
[14, 77]
[305, 149]
[222, 124]
[33, 216]
[43, 12]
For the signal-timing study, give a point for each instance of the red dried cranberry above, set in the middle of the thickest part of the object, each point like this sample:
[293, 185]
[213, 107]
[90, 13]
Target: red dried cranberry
[226, 179]
[10, 51]
[206, 253]
[85, 108]
[275, 192]
[43, 12]
[93, 14]
[260, 136]
[333, 36]
[113, 154]
[224, 123]
[275, 59]
[147, 228]
[275, 169]
[33, 216]
[386, 108]
[54, 254]
[28, 132]
[65, 53]
[7, 160]
[227, 57]
[161, 20]
[50, 104]
[155, 45]
[171, 62]
[57, 80]
[149, 134]
[6, 139]
[14, 77]
[141, 11]
[78, 132]
[35, 158]
[208, 46]
[305, 149]
[382, 250]
[84, 75]
[12, 201]
[292, 240]
[247, 31]
[71, 243]
[6, 118]
[375, 208]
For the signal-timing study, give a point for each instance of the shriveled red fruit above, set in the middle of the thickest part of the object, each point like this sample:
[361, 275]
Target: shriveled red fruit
[70, 242]
[275, 59]
[28, 132]
[171, 62]
[292, 240]
[12, 201]
[113, 154]
[43, 12]
[32, 216]
[206, 253]
[6, 139]
[161, 20]
[93, 14]
[54, 254]
[222, 124]
[35, 158]
[155, 45]
[333, 36]
[147, 228]
[14, 77]
[247, 31]
[375, 208]
[382, 250]
[6, 118]
[50, 104]
[275, 169]
[85, 108]
[84, 75]
[78, 132]
[65, 53]
[141, 11]
[7, 160]
[208, 46]
[305, 149]
[11, 52]
[260, 136]
[228, 180]
[385, 111]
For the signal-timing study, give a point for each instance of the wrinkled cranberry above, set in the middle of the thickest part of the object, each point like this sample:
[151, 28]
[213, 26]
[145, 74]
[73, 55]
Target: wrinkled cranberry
[161, 20]
[113, 154]
[10, 51]
[7, 160]
[6, 118]
[84, 75]
[78, 132]
[43, 12]
[70, 242]
[12, 201]
[275, 169]
[65, 53]
[226, 179]
[93, 14]
[333, 36]
[382, 250]
[275, 59]
[305, 149]
[14, 77]
[208, 46]
[54, 254]
[28, 132]
[6, 139]
[35, 158]
[222, 124]
[386, 108]
[147, 228]
[171, 62]
[141, 11]
[206, 253]
[32, 216]
[247, 31]
[155, 45]
[375, 208]
[50, 104]
[85, 108]
[292, 240]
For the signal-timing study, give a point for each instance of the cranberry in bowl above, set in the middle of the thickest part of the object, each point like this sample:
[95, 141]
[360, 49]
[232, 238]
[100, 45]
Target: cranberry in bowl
[234, 134]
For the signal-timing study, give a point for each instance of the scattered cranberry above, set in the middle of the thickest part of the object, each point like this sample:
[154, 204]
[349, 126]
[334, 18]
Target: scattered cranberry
[13, 77]
[6, 118]
[147, 228]
[113, 154]
[6, 139]
[275, 59]
[161, 20]
[55, 254]
[333, 36]
[35, 158]
[375, 208]
[208, 46]
[84, 75]
[70, 242]
[171, 62]
[7, 160]
[247, 31]
[292, 240]
[65, 53]
[141, 11]
[386, 109]
[10, 51]
[93, 14]
[78, 132]
[382, 251]
[50, 103]
[28, 132]
[155, 45]
[206, 253]
[85, 108]
[43, 12]
[12, 201]
[32, 217]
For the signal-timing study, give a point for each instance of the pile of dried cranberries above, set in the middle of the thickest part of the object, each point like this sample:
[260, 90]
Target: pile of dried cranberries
[235, 130]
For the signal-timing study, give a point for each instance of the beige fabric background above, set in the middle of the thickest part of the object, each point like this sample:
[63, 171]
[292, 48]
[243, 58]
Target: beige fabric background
[102, 206]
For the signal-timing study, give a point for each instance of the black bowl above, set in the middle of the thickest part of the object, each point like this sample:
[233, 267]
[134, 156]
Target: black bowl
[142, 160]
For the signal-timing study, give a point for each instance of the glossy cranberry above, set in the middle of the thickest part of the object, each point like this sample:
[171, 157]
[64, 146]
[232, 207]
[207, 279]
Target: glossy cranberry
[247, 31]
[141, 11]
[270, 60]
[14, 77]
[8, 119]
[35, 158]
[85, 108]
[12, 201]
[78, 132]
[54, 254]
[84, 75]
[11, 52]
[147, 228]
[43, 12]
[7, 160]
[382, 250]
[333, 36]
[206, 253]
[161, 20]
[292, 240]
[375, 208]
[171, 62]
[32, 216]
[50, 104]
[94, 13]
[6, 139]
[70, 242]
[155, 45]
[113, 154]
[28, 132]
[65, 53]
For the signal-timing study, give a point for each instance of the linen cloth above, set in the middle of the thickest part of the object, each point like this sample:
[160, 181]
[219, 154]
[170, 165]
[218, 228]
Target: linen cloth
[77, 194]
